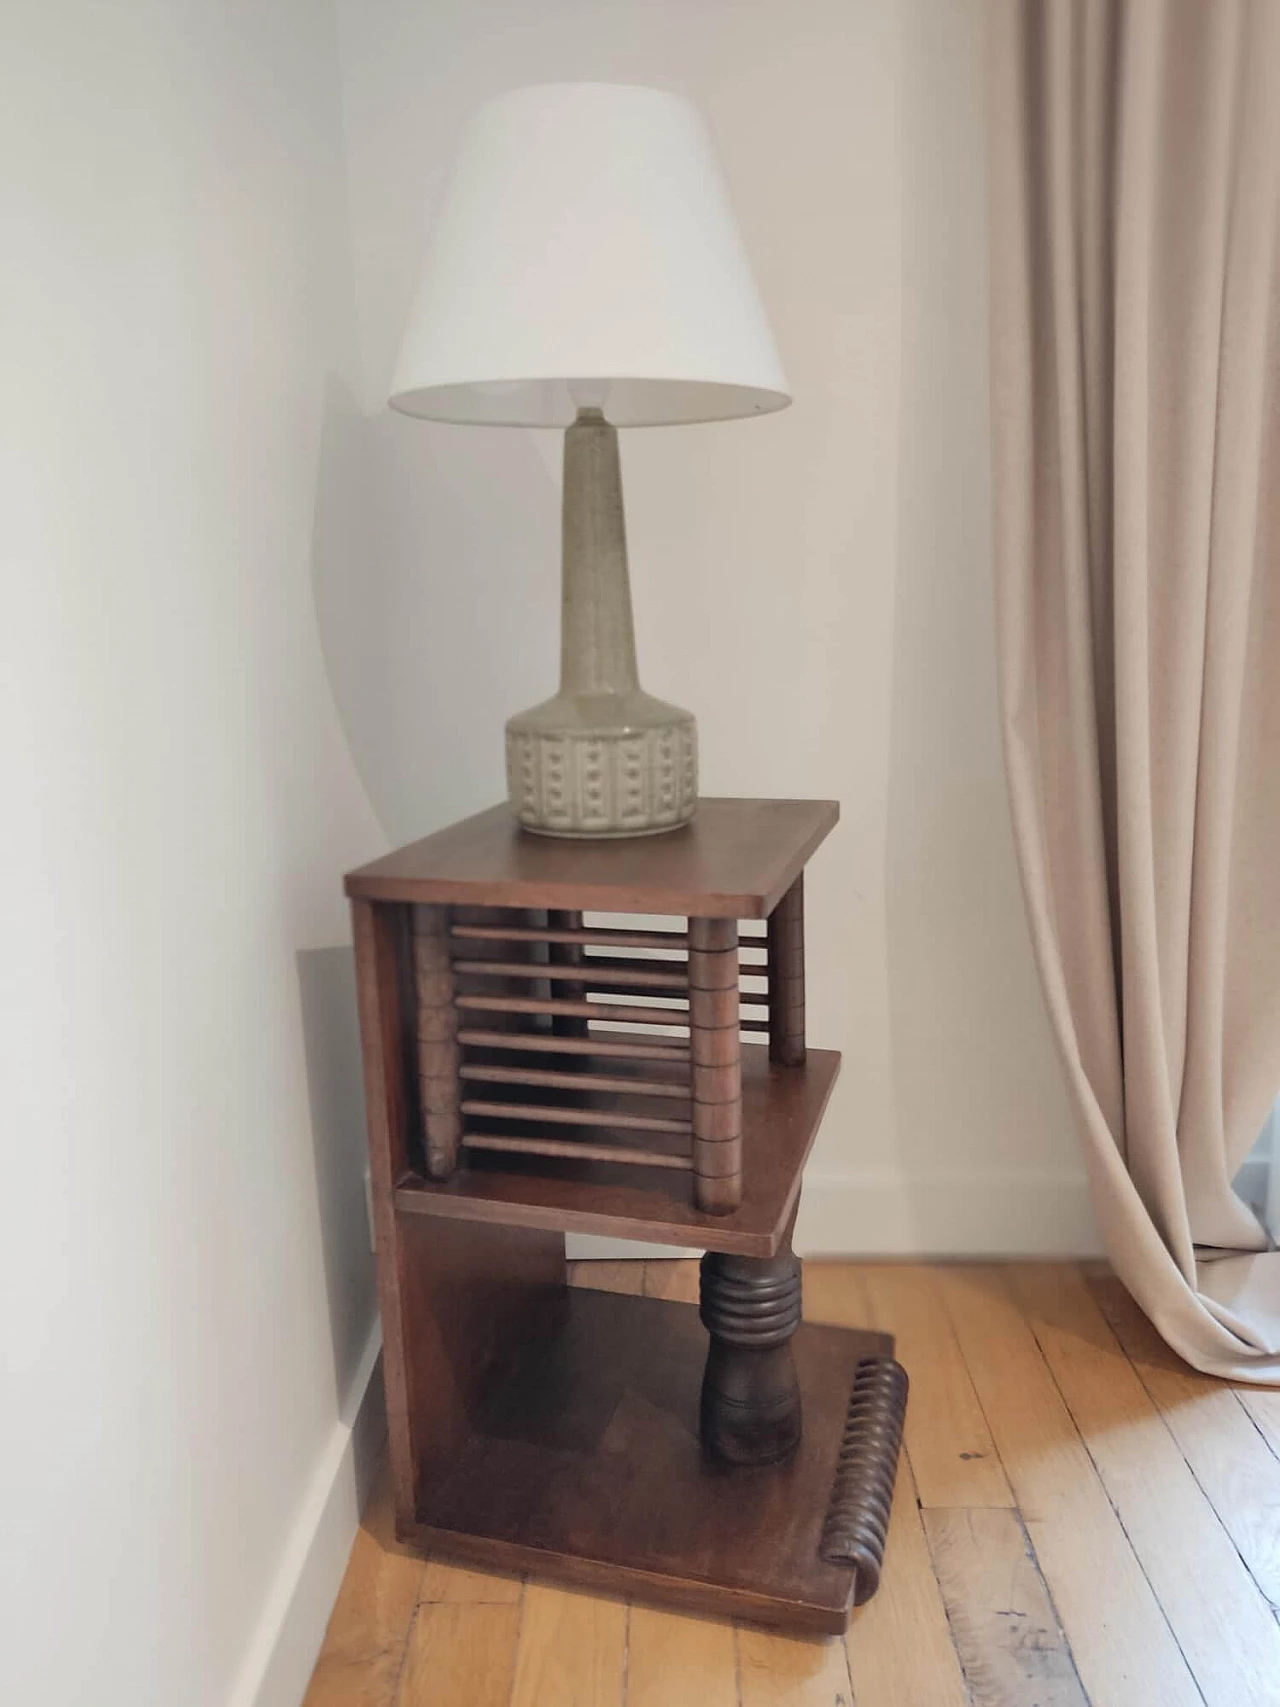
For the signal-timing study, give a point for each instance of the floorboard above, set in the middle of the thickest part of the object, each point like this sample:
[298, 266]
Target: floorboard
[1080, 1521]
[571, 1651]
[678, 1661]
[776, 1671]
[1228, 1455]
[461, 1654]
[1002, 1620]
[947, 1437]
[1124, 1650]
[1220, 1619]
[900, 1647]
[364, 1647]
[677, 1281]
[901, 1651]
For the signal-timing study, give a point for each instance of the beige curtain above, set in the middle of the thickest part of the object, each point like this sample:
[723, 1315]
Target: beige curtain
[1135, 172]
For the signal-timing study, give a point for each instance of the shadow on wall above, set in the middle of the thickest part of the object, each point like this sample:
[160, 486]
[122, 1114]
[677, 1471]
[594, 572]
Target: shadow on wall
[436, 580]
[331, 1038]
[982, 1114]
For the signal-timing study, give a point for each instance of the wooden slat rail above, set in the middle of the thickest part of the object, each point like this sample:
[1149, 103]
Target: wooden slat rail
[575, 1116]
[603, 937]
[583, 1010]
[576, 1152]
[621, 1045]
[496, 1075]
[630, 975]
[603, 987]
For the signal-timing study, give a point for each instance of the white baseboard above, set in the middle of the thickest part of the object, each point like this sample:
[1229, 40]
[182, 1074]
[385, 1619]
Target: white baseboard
[282, 1653]
[958, 1215]
[953, 1215]
[590, 1247]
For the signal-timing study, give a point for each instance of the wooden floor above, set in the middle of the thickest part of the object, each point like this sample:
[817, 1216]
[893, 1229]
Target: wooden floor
[1080, 1519]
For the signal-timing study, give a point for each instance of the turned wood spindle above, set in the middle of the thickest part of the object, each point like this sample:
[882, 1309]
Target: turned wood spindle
[567, 954]
[437, 1030]
[786, 977]
[751, 1307]
[717, 1064]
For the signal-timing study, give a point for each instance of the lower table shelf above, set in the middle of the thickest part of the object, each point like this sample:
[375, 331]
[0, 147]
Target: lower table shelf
[585, 1464]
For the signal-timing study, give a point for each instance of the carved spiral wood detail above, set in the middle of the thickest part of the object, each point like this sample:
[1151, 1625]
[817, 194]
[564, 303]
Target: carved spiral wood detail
[857, 1521]
[748, 1302]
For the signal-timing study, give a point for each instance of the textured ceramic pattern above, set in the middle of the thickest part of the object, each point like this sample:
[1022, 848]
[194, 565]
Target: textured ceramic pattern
[568, 783]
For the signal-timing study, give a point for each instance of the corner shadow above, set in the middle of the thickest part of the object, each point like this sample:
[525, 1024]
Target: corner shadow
[331, 1039]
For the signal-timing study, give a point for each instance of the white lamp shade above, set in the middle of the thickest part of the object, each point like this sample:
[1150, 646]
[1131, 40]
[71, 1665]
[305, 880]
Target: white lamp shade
[585, 235]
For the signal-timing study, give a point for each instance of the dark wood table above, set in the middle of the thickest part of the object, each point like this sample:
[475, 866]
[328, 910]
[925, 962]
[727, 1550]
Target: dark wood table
[532, 1068]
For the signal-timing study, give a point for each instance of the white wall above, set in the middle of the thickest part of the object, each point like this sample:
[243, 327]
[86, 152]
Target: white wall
[814, 584]
[187, 1292]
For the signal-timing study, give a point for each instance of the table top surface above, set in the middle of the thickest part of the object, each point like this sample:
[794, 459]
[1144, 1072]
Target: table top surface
[735, 859]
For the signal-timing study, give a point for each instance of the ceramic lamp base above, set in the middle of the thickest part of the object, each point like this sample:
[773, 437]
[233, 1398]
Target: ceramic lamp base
[602, 757]
[601, 765]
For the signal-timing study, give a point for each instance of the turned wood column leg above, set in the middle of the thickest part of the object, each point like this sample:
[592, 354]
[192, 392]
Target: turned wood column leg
[750, 1394]
[786, 977]
[438, 1052]
[716, 1053]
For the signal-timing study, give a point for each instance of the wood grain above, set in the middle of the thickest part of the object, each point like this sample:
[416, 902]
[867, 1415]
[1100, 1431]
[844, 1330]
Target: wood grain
[493, 1074]
[457, 1584]
[621, 1275]
[585, 1466]
[364, 1646]
[675, 1280]
[550, 1114]
[650, 975]
[674, 1660]
[1223, 1625]
[574, 1150]
[382, 973]
[900, 1648]
[571, 1650]
[1219, 1439]
[460, 1655]
[1263, 1405]
[618, 1011]
[947, 1438]
[734, 861]
[625, 1045]
[1124, 1649]
[1001, 1617]
[779, 1671]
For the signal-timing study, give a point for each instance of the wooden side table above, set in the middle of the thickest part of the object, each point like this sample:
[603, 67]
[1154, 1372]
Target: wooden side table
[529, 1073]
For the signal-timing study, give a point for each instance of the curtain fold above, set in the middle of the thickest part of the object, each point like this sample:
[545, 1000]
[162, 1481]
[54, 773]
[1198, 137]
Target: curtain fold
[1135, 209]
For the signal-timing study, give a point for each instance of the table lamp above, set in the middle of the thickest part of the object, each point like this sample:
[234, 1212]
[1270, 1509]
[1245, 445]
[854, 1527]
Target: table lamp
[585, 271]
